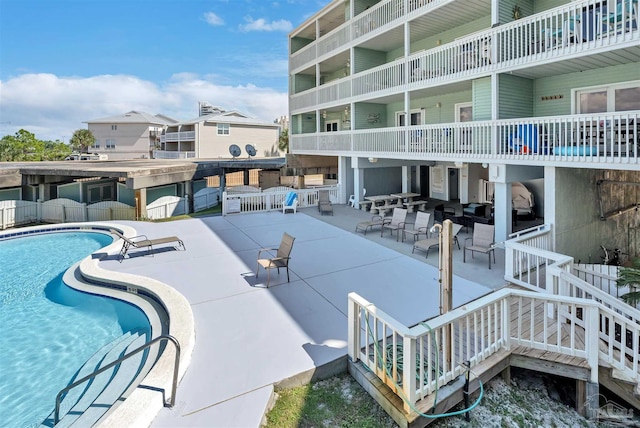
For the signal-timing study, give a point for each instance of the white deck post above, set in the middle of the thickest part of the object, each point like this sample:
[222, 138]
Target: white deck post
[408, 372]
[353, 330]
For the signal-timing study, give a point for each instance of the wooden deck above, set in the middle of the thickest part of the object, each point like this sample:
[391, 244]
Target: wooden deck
[522, 356]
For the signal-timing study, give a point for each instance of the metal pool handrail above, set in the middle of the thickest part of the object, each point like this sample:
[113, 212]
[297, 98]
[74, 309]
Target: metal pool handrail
[174, 384]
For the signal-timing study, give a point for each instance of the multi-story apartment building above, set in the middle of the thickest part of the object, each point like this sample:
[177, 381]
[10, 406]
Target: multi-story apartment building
[211, 134]
[457, 99]
[132, 135]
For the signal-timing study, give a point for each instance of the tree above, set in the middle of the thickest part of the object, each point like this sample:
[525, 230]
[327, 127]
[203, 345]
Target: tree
[55, 150]
[630, 277]
[23, 146]
[81, 140]
[283, 140]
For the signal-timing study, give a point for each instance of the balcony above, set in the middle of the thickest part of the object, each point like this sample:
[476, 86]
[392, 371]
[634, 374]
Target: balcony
[608, 140]
[164, 154]
[536, 45]
[173, 137]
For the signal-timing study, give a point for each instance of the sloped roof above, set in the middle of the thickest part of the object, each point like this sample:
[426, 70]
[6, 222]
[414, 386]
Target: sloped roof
[230, 117]
[136, 117]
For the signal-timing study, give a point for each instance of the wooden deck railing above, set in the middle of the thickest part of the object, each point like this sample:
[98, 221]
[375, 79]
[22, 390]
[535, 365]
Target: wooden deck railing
[562, 314]
[414, 361]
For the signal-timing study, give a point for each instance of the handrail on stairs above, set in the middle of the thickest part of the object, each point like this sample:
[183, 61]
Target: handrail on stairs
[174, 384]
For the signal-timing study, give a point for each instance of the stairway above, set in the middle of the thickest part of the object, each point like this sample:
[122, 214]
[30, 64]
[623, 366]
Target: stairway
[85, 404]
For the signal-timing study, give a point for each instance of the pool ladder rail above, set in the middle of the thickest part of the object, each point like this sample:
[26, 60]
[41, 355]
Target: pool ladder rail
[170, 402]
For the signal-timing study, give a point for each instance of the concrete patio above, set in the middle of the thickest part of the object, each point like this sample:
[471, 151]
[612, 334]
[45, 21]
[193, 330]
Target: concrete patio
[249, 337]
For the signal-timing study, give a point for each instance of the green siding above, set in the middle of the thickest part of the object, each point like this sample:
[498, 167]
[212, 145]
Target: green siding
[482, 99]
[562, 85]
[542, 5]
[431, 42]
[199, 185]
[364, 59]
[70, 191]
[126, 195]
[304, 82]
[515, 97]
[156, 193]
[298, 43]
[362, 112]
[10, 195]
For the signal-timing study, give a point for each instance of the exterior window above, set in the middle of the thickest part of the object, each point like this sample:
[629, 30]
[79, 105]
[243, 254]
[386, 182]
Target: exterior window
[110, 144]
[114, 127]
[611, 98]
[331, 126]
[415, 116]
[96, 145]
[100, 192]
[223, 129]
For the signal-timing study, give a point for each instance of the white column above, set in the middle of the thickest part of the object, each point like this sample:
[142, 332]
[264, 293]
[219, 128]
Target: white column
[358, 181]
[344, 188]
[406, 178]
[502, 211]
[550, 200]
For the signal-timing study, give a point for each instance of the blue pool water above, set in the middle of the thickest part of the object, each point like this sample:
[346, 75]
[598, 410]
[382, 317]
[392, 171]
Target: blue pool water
[48, 330]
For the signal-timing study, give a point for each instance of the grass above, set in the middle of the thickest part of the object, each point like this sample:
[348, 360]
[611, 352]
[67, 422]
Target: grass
[341, 402]
[335, 402]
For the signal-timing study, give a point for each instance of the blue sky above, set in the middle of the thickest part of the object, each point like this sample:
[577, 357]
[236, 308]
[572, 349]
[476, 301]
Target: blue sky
[64, 62]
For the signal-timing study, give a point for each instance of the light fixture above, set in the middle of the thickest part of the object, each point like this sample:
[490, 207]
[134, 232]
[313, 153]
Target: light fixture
[324, 114]
[438, 104]
[373, 160]
[485, 165]
[459, 164]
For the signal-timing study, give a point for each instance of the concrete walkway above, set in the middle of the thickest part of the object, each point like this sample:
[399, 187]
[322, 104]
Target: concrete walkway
[249, 337]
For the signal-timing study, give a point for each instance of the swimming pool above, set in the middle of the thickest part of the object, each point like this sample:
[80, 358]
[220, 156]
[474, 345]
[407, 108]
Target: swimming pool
[48, 329]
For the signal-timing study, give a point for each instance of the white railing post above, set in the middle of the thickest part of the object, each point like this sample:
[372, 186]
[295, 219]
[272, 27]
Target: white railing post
[85, 212]
[3, 220]
[506, 322]
[353, 330]
[409, 368]
[592, 340]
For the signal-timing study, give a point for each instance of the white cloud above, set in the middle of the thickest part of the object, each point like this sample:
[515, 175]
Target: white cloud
[53, 107]
[262, 25]
[213, 19]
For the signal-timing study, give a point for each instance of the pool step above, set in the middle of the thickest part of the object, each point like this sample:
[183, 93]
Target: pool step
[85, 405]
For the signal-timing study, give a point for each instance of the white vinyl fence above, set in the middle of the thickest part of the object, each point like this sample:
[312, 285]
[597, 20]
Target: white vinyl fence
[271, 199]
[206, 198]
[16, 213]
[167, 206]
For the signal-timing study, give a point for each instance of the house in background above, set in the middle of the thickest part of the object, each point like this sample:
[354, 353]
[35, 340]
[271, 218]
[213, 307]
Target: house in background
[211, 134]
[132, 135]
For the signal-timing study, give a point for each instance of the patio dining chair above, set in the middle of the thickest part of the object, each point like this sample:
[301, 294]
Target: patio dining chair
[280, 260]
[420, 227]
[481, 242]
[429, 243]
[324, 202]
[397, 222]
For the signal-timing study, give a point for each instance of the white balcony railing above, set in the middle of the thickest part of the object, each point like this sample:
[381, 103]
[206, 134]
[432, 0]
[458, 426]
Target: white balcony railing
[172, 137]
[554, 35]
[596, 138]
[165, 154]
[372, 20]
